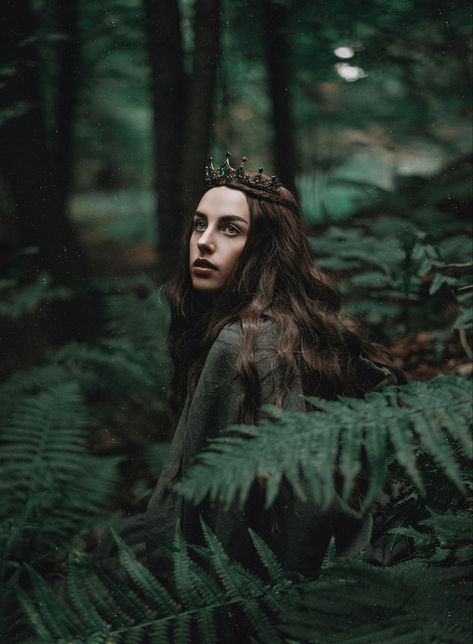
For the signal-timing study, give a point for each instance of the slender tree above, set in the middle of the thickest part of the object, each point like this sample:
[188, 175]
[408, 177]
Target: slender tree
[68, 57]
[275, 27]
[200, 111]
[182, 106]
[168, 96]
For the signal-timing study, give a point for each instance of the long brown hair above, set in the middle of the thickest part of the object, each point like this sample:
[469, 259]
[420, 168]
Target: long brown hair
[275, 272]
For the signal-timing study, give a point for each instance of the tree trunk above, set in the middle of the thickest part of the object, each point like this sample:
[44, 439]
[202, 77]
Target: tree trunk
[200, 101]
[68, 57]
[28, 166]
[26, 154]
[275, 24]
[168, 97]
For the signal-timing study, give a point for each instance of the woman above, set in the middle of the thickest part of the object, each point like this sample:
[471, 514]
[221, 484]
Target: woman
[254, 321]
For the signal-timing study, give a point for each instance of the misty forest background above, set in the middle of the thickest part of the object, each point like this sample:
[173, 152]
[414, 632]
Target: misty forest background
[108, 112]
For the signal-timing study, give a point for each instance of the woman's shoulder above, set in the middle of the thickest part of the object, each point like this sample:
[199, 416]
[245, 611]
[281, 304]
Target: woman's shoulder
[232, 334]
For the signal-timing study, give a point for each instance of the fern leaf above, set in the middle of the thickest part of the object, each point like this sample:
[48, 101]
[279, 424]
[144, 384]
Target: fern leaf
[220, 559]
[86, 611]
[34, 615]
[159, 632]
[101, 596]
[398, 422]
[403, 442]
[350, 602]
[55, 486]
[268, 559]
[459, 431]
[350, 464]
[182, 629]
[376, 461]
[49, 622]
[206, 626]
[143, 577]
[183, 577]
[234, 586]
[436, 443]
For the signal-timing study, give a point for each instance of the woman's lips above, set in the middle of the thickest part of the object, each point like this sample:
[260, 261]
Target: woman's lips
[202, 270]
[203, 267]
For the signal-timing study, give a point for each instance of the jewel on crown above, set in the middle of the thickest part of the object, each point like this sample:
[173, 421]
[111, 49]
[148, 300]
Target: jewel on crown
[225, 172]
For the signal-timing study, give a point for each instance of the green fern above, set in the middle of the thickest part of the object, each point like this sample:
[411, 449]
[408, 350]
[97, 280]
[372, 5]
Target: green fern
[352, 601]
[113, 366]
[50, 487]
[143, 607]
[22, 384]
[16, 298]
[144, 319]
[132, 363]
[383, 263]
[399, 422]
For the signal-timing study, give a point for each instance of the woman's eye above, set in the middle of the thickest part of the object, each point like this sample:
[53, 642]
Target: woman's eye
[230, 228]
[199, 225]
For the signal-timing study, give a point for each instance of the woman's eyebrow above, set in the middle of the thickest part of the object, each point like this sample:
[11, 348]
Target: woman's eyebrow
[222, 217]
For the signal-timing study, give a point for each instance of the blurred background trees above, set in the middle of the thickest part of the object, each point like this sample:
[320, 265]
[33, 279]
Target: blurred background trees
[130, 97]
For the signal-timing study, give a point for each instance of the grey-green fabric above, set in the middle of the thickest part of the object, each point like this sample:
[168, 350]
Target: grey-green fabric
[299, 532]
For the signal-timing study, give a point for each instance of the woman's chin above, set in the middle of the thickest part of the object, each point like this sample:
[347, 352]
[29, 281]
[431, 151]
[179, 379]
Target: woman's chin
[205, 286]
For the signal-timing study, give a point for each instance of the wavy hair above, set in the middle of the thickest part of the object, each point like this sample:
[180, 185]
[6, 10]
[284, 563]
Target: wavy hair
[275, 272]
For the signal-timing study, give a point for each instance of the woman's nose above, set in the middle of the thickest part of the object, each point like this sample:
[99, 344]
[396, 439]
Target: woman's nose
[205, 241]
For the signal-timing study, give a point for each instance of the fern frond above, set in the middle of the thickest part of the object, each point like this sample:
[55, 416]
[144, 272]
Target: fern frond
[241, 586]
[268, 559]
[25, 383]
[142, 577]
[86, 611]
[132, 605]
[352, 601]
[54, 487]
[116, 362]
[16, 299]
[404, 422]
[143, 320]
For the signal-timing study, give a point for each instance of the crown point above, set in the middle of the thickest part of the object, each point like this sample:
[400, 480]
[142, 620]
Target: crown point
[260, 170]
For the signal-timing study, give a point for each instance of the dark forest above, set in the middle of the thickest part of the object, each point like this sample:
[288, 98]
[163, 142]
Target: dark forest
[109, 110]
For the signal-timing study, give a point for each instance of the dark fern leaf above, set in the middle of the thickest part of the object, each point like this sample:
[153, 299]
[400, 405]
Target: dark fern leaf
[55, 487]
[132, 605]
[400, 423]
[352, 601]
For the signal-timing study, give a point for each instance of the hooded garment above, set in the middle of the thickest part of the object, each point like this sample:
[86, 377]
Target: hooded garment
[298, 531]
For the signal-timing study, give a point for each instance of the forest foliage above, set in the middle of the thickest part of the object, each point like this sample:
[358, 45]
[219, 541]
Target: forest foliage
[379, 140]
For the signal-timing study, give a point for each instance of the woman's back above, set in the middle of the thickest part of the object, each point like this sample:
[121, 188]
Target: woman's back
[298, 532]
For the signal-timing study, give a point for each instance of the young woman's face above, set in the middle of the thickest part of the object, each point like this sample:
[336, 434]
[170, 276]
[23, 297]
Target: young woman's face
[220, 231]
